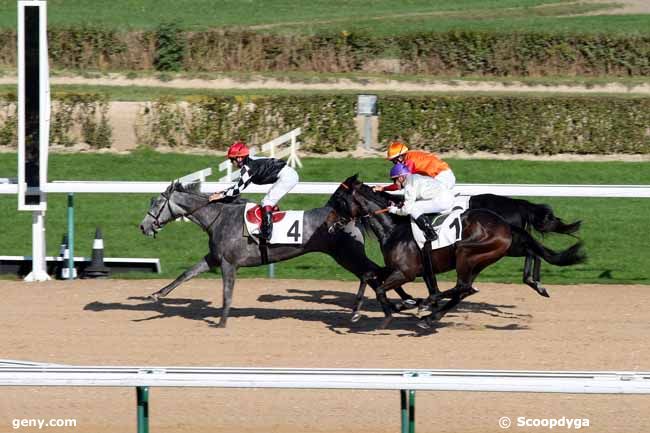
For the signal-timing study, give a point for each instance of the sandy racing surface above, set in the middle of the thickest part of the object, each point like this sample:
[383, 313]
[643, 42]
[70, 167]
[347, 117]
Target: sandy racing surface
[303, 323]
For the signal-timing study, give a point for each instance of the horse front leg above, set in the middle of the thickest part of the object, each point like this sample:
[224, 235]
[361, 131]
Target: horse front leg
[371, 278]
[459, 293]
[358, 301]
[395, 279]
[204, 265]
[228, 275]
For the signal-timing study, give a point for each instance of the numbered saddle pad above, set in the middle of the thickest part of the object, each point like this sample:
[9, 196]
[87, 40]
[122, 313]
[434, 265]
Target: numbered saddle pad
[449, 228]
[287, 226]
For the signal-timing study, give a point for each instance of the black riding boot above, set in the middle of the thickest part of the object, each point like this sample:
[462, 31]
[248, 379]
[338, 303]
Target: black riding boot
[267, 223]
[425, 225]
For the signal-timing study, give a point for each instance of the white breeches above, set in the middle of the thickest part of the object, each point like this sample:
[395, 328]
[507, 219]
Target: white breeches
[446, 178]
[287, 179]
[443, 201]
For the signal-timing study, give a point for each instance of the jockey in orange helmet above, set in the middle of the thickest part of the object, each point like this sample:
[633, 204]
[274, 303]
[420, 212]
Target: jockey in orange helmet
[419, 162]
[261, 171]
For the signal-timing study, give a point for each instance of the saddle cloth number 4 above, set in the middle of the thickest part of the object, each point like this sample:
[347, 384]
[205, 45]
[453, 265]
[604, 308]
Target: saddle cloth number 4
[286, 231]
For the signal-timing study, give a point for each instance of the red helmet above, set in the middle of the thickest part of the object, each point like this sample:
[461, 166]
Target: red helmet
[237, 149]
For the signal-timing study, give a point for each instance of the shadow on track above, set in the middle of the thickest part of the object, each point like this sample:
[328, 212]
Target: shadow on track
[334, 312]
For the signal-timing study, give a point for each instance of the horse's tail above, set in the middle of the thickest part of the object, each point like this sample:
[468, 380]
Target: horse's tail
[542, 218]
[524, 242]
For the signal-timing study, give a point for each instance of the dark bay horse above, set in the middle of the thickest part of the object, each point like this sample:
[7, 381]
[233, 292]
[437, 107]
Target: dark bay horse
[516, 212]
[230, 249]
[486, 238]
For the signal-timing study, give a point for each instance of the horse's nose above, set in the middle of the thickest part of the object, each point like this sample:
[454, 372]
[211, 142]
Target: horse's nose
[141, 228]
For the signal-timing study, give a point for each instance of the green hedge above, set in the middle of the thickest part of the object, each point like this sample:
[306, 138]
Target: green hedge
[327, 122]
[74, 118]
[446, 53]
[511, 125]
[496, 124]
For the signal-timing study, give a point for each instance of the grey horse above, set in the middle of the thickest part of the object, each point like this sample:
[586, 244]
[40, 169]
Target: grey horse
[230, 249]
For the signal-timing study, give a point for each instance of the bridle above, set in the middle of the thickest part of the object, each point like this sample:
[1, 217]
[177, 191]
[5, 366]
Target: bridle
[156, 218]
[343, 221]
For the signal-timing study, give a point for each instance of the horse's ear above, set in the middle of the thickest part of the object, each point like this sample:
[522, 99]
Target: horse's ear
[352, 179]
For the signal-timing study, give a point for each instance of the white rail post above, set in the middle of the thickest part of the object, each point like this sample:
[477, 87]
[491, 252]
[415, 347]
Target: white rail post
[293, 156]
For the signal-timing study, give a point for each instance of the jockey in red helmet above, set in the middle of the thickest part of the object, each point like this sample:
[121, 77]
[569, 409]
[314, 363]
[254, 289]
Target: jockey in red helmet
[261, 171]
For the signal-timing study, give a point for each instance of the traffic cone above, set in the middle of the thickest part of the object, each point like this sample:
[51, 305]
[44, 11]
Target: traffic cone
[97, 268]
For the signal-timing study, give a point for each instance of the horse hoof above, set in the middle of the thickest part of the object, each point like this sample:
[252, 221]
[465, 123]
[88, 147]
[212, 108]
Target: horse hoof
[355, 318]
[542, 291]
[221, 325]
[424, 324]
[154, 297]
[410, 302]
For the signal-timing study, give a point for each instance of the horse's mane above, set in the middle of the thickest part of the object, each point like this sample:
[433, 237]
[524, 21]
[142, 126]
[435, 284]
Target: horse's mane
[190, 187]
[195, 188]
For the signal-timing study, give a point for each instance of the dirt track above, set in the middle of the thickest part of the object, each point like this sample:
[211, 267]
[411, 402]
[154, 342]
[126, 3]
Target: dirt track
[302, 323]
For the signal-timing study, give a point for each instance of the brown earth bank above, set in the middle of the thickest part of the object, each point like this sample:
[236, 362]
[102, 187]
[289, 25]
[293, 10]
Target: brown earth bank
[304, 323]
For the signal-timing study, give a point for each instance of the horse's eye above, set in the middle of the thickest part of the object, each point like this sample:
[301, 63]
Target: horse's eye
[153, 200]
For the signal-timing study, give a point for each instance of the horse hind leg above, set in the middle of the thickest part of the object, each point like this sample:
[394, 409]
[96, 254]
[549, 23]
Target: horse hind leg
[204, 265]
[532, 265]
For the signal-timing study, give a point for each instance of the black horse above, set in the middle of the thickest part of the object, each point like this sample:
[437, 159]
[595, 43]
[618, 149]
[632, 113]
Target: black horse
[528, 216]
[485, 239]
[516, 212]
[230, 249]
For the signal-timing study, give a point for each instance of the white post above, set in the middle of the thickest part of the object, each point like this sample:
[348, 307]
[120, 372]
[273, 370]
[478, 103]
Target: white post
[293, 156]
[39, 266]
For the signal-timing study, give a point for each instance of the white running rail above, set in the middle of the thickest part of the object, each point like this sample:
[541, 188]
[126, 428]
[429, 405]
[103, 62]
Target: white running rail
[531, 190]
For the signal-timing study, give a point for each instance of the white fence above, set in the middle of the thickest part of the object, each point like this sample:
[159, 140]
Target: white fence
[531, 190]
[15, 373]
[274, 151]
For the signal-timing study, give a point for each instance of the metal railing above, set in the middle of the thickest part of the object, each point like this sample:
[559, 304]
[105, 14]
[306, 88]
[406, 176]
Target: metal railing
[407, 381]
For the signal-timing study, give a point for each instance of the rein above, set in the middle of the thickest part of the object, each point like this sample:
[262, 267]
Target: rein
[167, 204]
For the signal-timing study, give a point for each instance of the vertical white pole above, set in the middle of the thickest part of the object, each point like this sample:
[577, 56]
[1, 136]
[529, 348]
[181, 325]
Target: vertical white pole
[39, 266]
